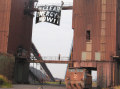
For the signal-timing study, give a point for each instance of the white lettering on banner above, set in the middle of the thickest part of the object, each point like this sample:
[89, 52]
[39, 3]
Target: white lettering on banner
[49, 19]
[42, 13]
[55, 15]
[47, 13]
[50, 8]
[42, 19]
[50, 14]
[54, 20]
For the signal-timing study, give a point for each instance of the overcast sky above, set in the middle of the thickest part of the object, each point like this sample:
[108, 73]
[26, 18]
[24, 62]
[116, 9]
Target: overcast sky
[52, 40]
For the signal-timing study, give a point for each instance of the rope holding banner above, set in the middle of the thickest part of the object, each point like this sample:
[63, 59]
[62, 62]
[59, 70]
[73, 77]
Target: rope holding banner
[62, 3]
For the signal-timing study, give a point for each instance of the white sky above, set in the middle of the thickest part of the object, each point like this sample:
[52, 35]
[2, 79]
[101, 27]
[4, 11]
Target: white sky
[52, 40]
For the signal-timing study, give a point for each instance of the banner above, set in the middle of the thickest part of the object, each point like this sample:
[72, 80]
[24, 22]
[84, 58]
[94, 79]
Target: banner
[49, 14]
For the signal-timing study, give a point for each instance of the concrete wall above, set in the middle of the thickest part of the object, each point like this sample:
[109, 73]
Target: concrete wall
[7, 65]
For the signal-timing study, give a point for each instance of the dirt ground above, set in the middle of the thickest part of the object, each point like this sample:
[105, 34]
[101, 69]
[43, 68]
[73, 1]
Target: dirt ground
[36, 87]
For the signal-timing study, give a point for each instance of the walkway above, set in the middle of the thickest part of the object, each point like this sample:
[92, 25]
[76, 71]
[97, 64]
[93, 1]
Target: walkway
[35, 87]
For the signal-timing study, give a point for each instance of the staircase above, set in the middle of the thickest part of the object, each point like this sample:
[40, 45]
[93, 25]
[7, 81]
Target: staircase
[36, 55]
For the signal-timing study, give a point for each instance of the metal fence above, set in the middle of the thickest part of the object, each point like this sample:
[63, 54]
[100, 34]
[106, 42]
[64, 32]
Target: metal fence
[62, 58]
[58, 4]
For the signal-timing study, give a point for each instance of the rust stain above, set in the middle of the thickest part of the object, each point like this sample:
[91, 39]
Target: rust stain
[15, 27]
[102, 19]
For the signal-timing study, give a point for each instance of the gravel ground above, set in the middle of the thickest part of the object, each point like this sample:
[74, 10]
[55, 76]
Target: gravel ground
[36, 87]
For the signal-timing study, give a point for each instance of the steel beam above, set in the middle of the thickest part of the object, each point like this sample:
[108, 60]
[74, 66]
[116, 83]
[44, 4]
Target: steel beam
[67, 8]
[49, 61]
[36, 9]
[36, 54]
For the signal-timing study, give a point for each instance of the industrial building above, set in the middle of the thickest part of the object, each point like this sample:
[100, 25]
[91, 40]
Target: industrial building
[96, 45]
[15, 38]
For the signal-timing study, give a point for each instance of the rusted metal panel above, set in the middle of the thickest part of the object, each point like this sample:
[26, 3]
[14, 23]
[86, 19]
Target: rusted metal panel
[101, 18]
[15, 27]
[20, 30]
[103, 38]
[86, 64]
[49, 61]
[100, 24]
[103, 56]
[67, 8]
[77, 78]
[15, 31]
[5, 8]
[83, 23]
[88, 47]
[118, 27]
[104, 74]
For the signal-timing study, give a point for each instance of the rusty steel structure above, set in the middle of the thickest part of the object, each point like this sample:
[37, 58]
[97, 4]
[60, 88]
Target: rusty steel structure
[15, 32]
[15, 27]
[15, 35]
[16, 19]
[96, 43]
[36, 54]
[49, 61]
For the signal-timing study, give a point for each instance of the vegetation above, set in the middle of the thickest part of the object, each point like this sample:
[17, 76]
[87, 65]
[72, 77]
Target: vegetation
[63, 83]
[4, 82]
[94, 84]
[117, 87]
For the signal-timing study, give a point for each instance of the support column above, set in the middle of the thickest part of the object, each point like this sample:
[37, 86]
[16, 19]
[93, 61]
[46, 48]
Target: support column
[21, 72]
[104, 72]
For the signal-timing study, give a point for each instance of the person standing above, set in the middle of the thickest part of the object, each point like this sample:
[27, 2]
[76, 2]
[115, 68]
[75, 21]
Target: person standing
[60, 82]
[59, 57]
[40, 56]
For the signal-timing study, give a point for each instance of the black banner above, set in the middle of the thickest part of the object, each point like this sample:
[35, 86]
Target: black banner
[49, 14]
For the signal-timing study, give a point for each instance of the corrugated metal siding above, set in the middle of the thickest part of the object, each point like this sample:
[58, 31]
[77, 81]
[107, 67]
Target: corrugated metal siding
[15, 31]
[5, 8]
[118, 28]
[104, 74]
[20, 27]
[100, 18]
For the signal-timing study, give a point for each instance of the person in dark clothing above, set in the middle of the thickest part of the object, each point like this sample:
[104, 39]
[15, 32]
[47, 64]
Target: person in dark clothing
[59, 57]
[60, 82]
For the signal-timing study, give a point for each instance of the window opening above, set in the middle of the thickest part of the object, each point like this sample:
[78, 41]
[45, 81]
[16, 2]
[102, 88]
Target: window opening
[88, 35]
